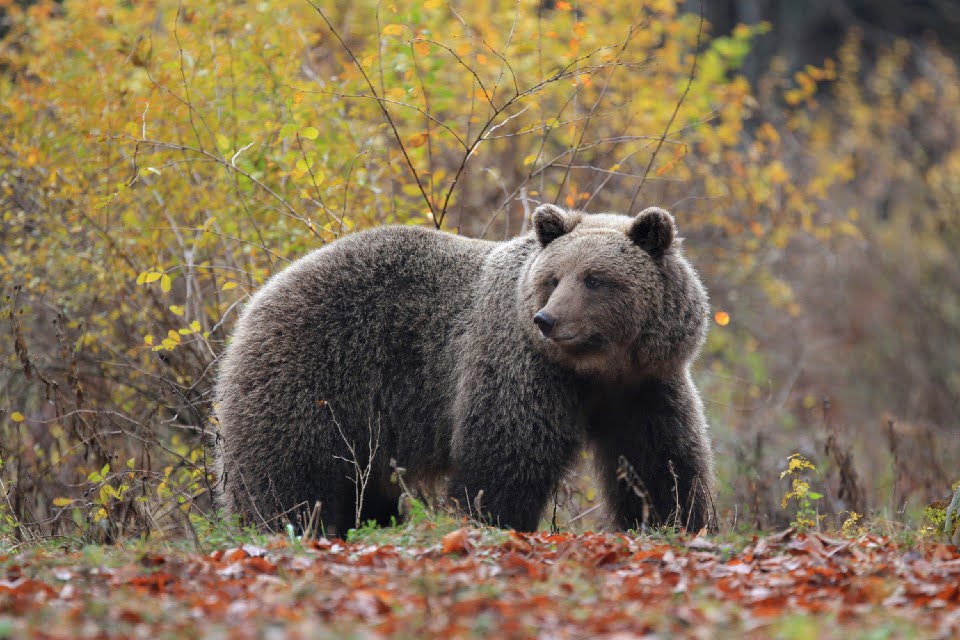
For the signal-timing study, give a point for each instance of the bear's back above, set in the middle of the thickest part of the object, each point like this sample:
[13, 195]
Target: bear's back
[362, 326]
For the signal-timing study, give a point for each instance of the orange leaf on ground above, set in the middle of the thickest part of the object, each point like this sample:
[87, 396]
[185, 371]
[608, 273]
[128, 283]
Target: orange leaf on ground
[456, 542]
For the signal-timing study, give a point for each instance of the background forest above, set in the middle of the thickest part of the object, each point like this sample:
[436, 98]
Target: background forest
[160, 160]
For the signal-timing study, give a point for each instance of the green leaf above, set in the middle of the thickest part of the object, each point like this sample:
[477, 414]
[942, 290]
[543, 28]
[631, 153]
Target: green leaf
[310, 133]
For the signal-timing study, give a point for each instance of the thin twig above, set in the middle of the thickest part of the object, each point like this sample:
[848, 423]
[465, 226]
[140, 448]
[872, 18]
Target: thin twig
[666, 130]
[383, 108]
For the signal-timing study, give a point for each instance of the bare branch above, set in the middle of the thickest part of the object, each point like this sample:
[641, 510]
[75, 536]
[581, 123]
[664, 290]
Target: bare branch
[383, 108]
[405, 105]
[666, 130]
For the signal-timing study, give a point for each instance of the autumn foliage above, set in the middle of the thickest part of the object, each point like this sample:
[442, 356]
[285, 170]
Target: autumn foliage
[160, 160]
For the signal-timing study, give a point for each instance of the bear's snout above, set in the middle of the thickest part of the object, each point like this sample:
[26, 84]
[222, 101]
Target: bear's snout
[545, 322]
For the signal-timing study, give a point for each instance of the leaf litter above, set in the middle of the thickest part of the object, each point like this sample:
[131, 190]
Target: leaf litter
[518, 586]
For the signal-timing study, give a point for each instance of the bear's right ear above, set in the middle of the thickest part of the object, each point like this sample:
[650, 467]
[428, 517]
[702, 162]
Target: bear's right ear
[550, 222]
[653, 230]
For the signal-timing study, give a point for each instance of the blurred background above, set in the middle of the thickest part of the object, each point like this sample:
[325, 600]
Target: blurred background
[159, 161]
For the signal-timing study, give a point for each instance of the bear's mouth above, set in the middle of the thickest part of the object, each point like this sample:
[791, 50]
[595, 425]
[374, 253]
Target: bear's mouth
[577, 343]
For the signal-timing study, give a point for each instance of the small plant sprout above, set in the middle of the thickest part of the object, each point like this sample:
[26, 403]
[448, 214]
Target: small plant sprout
[852, 527]
[806, 515]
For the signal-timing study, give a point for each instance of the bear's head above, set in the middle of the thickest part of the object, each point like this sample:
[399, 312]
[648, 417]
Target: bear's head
[612, 296]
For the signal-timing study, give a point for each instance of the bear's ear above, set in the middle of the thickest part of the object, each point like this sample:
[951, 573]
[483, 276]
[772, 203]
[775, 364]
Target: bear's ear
[653, 230]
[550, 222]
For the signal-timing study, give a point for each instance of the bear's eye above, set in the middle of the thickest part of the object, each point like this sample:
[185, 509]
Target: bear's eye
[592, 282]
[554, 282]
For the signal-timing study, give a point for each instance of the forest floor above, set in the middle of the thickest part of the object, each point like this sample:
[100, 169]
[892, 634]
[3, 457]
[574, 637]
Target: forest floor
[422, 581]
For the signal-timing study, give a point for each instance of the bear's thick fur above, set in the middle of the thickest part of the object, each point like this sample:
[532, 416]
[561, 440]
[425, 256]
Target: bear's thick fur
[490, 363]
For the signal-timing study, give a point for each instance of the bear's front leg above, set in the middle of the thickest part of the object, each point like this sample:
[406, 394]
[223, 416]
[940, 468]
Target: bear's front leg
[513, 440]
[512, 498]
[654, 459]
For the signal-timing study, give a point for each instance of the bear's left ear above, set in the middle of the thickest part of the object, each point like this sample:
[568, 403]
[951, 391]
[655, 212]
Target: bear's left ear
[653, 230]
[550, 222]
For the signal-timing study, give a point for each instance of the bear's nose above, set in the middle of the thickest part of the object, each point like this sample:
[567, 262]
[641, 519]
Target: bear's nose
[545, 322]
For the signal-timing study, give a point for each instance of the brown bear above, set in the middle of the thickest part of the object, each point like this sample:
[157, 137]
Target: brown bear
[490, 364]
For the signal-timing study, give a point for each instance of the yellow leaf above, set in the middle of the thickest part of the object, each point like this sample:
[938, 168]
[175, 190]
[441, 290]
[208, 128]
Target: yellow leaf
[223, 142]
[184, 332]
[769, 132]
[397, 94]
[777, 173]
[62, 502]
[176, 309]
[793, 96]
[229, 285]
[165, 283]
[173, 335]
[418, 139]
[422, 47]
[16, 416]
[722, 318]
[148, 339]
[195, 326]
[148, 276]
[310, 133]
[393, 30]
